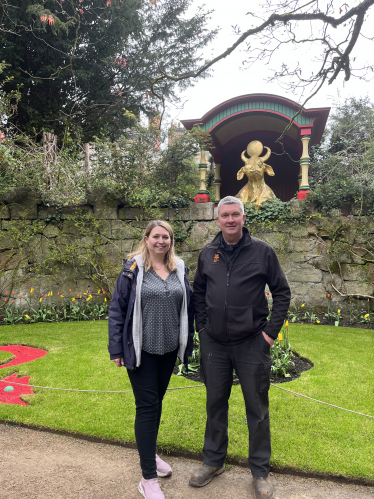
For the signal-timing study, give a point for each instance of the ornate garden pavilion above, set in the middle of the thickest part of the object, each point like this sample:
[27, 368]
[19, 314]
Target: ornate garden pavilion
[236, 122]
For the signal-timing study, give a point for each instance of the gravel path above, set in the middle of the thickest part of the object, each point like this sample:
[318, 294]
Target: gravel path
[40, 465]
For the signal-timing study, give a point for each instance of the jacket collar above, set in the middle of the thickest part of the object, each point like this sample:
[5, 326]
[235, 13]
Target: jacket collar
[215, 244]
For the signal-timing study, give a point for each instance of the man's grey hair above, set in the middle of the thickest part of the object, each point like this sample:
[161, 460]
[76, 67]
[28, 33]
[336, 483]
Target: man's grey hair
[231, 200]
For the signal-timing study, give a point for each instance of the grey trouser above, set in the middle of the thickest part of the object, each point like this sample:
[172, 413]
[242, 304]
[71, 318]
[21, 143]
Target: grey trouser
[251, 361]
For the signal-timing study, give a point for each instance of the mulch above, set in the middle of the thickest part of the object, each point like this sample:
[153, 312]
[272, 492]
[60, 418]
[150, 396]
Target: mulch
[301, 364]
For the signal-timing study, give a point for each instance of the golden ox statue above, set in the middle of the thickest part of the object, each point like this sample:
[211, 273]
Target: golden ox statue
[255, 191]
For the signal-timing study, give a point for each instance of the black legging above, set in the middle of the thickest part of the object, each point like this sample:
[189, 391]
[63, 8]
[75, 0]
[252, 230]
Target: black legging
[149, 383]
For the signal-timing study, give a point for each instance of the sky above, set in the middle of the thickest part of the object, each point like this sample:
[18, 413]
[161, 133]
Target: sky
[228, 80]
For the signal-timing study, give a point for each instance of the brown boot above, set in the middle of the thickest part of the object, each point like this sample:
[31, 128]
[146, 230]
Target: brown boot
[204, 474]
[263, 488]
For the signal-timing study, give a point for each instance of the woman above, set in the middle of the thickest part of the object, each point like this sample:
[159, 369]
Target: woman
[150, 324]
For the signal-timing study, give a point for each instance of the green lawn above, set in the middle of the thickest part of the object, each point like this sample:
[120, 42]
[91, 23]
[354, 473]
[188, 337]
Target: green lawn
[305, 435]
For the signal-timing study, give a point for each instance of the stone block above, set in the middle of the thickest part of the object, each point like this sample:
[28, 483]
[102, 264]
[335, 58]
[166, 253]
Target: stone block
[278, 241]
[312, 228]
[7, 241]
[309, 257]
[71, 228]
[105, 207]
[359, 249]
[304, 273]
[320, 262]
[359, 288]
[305, 245]
[51, 231]
[201, 211]
[358, 260]
[213, 228]
[123, 230]
[10, 260]
[190, 259]
[300, 230]
[179, 214]
[295, 207]
[354, 272]
[285, 261]
[112, 254]
[370, 268]
[4, 212]
[138, 224]
[15, 224]
[105, 228]
[139, 215]
[22, 203]
[198, 236]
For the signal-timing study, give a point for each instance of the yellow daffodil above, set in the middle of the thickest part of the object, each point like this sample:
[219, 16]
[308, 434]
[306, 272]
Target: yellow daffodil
[318, 322]
[98, 291]
[41, 299]
[27, 317]
[339, 311]
[31, 290]
[366, 316]
[85, 294]
[62, 296]
[105, 300]
[51, 293]
[286, 323]
[73, 299]
[303, 305]
[280, 336]
[89, 298]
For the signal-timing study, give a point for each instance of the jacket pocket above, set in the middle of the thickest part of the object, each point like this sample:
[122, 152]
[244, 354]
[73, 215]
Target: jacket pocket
[239, 322]
[265, 376]
[216, 324]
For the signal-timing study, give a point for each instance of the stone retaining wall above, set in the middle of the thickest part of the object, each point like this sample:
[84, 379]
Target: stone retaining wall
[81, 248]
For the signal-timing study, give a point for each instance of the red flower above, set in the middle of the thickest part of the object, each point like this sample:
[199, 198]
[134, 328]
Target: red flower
[267, 294]
[81, 11]
[51, 21]
[5, 299]
[13, 293]
[43, 18]
[20, 297]
[12, 301]
[108, 3]
[6, 294]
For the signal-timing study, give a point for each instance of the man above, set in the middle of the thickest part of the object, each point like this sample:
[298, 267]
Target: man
[231, 313]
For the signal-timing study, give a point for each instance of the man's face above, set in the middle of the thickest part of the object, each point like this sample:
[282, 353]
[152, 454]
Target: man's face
[230, 221]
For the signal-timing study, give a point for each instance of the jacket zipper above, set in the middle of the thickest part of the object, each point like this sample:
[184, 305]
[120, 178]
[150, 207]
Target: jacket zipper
[227, 290]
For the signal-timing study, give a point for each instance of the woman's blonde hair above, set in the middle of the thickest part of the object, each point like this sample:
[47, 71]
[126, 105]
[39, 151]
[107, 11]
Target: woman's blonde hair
[170, 260]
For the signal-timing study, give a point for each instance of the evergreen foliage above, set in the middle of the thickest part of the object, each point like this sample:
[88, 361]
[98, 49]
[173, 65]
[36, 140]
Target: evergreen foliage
[81, 64]
[342, 165]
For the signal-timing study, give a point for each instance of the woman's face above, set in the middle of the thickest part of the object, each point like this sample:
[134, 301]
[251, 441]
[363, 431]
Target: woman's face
[158, 241]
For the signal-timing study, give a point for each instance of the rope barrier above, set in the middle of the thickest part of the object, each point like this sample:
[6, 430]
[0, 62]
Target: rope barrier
[186, 387]
[95, 391]
[325, 403]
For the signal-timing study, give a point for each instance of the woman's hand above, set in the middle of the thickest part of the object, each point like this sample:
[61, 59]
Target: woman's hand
[118, 362]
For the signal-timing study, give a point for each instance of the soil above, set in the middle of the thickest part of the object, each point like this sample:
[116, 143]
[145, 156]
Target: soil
[39, 465]
[301, 364]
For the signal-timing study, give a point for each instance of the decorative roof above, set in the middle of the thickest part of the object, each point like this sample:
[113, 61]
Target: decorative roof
[246, 116]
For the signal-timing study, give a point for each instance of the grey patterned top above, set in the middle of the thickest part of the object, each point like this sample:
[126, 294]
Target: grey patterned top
[161, 303]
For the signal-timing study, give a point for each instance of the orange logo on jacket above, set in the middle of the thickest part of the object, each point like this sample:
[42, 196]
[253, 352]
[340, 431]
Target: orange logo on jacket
[216, 258]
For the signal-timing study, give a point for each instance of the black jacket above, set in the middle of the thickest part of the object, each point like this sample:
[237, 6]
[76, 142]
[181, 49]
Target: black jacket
[231, 304]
